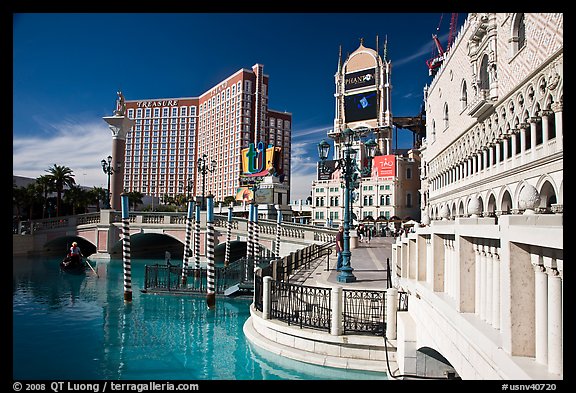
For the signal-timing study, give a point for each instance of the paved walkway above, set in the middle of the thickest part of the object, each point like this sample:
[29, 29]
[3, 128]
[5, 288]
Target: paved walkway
[368, 261]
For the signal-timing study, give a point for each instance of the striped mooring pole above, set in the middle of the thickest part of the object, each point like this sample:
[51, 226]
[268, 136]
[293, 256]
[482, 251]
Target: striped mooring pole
[210, 273]
[126, 249]
[197, 239]
[187, 246]
[228, 235]
[256, 233]
[278, 229]
[250, 248]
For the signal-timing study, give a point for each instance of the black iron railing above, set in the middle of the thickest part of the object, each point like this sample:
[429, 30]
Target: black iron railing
[301, 305]
[364, 311]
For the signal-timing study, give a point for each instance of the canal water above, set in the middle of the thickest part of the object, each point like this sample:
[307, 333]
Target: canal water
[78, 327]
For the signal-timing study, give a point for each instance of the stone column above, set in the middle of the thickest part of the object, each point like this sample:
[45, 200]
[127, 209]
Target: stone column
[557, 108]
[490, 154]
[514, 141]
[496, 288]
[120, 125]
[266, 293]
[477, 282]
[544, 114]
[554, 316]
[505, 152]
[483, 286]
[523, 131]
[391, 313]
[485, 158]
[336, 305]
[541, 306]
[489, 283]
[533, 121]
[497, 151]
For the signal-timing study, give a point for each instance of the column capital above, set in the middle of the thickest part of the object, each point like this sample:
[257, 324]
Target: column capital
[533, 119]
[556, 106]
[545, 112]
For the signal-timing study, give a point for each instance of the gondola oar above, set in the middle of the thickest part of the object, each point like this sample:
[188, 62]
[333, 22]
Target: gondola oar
[88, 262]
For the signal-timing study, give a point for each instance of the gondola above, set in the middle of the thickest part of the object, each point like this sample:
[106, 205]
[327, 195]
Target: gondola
[71, 266]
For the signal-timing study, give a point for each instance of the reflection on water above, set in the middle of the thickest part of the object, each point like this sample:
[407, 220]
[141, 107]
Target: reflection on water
[79, 327]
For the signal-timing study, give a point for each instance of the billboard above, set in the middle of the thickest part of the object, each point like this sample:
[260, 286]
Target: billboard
[361, 106]
[261, 160]
[384, 166]
[263, 195]
[326, 174]
[358, 79]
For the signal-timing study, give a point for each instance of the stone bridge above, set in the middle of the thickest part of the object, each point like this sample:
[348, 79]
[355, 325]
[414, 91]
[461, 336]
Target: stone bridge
[100, 234]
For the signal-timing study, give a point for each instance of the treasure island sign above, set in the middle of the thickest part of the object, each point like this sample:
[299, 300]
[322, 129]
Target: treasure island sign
[257, 162]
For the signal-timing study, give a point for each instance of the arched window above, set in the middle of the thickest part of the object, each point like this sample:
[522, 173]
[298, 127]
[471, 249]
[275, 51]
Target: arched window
[484, 81]
[464, 95]
[445, 115]
[518, 36]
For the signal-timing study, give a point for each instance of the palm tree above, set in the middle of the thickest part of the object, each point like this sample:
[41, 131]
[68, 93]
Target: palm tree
[47, 184]
[99, 194]
[61, 176]
[134, 198]
[77, 197]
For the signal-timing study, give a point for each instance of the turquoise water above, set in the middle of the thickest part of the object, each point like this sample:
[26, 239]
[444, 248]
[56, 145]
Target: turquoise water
[68, 327]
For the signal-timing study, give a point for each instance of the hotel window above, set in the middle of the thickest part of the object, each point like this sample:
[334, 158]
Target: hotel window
[156, 112]
[147, 112]
[131, 113]
[183, 111]
[165, 112]
[139, 113]
[174, 111]
[518, 39]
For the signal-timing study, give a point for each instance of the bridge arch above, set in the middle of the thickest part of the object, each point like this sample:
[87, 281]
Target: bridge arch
[431, 363]
[61, 244]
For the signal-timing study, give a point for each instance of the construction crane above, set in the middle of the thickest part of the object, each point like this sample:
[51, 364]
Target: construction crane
[435, 62]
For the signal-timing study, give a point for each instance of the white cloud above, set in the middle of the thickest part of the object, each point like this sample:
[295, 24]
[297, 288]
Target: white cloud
[78, 146]
[81, 147]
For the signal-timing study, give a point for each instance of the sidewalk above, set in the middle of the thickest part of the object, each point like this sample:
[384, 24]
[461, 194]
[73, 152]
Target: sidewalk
[367, 260]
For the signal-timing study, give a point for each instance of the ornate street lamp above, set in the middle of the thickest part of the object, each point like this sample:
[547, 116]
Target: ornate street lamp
[107, 168]
[204, 167]
[350, 171]
[189, 186]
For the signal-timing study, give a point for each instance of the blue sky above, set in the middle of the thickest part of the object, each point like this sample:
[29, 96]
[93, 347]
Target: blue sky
[67, 68]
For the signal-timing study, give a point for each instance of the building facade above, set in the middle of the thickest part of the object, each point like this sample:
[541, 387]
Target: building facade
[485, 269]
[171, 134]
[388, 194]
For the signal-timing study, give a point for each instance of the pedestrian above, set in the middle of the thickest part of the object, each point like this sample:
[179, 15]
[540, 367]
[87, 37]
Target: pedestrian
[339, 247]
[368, 235]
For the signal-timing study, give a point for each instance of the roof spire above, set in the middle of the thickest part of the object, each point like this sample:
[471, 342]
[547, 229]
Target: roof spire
[384, 56]
[340, 58]
[362, 41]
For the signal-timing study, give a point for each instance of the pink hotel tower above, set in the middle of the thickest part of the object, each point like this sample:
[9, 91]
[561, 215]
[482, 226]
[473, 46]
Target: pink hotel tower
[170, 134]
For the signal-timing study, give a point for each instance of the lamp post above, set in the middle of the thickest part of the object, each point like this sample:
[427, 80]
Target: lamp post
[189, 186]
[205, 167]
[350, 171]
[107, 168]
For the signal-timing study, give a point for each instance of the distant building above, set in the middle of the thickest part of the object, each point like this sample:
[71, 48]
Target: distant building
[171, 134]
[485, 271]
[390, 193]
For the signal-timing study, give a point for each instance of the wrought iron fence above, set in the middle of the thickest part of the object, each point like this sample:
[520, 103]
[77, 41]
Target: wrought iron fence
[301, 305]
[364, 311]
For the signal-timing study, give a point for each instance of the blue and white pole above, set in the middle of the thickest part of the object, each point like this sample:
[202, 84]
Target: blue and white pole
[256, 232]
[197, 236]
[228, 235]
[278, 230]
[250, 248]
[187, 247]
[210, 271]
[126, 249]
